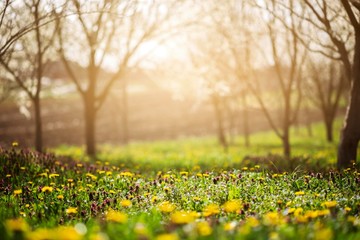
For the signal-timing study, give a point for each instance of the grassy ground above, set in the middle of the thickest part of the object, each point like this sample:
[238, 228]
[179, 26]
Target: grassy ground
[183, 154]
[185, 189]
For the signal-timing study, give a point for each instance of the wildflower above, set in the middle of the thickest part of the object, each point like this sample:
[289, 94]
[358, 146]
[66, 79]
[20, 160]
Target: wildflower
[15, 144]
[126, 174]
[323, 212]
[245, 168]
[166, 207]
[110, 191]
[60, 197]
[229, 226]
[154, 199]
[18, 224]
[70, 233]
[79, 165]
[184, 173]
[323, 234]
[252, 222]
[8, 175]
[182, 217]
[23, 168]
[273, 219]
[71, 210]
[47, 189]
[108, 173]
[204, 228]
[300, 193]
[167, 236]
[43, 174]
[52, 175]
[17, 192]
[232, 206]
[70, 180]
[347, 209]
[115, 216]
[211, 209]
[93, 177]
[330, 204]
[126, 203]
[298, 212]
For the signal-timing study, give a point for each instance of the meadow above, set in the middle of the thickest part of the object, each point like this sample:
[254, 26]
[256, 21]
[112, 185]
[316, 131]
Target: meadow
[181, 189]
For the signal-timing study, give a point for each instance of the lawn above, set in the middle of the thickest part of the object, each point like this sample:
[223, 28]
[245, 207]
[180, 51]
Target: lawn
[183, 189]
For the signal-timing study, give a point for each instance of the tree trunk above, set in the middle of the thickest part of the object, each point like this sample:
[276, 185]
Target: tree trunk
[329, 121]
[90, 124]
[220, 124]
[124, 117]
[38, 125]
[286, 144]
[246, 121]
[350, 134]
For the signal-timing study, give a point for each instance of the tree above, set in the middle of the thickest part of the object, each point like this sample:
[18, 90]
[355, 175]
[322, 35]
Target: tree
[287, 58]
[350, 133]
[325, 87]
[107, 31]
[26, 61]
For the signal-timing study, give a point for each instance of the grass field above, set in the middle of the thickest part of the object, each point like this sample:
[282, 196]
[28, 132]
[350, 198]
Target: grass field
[183, 189]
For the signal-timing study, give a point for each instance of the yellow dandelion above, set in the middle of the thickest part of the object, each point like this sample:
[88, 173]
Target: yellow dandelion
[232, 206]
[116, 216]
[17, 192]
[273, 219]
[182, 217]
[47, 189]
[299, 193]
[330, 204]
[211, 209]
[60, 197]
[53, 175]
[184, 173]
[18, 224]
[166, 207]
[126, 203]
[203, 228]
[71, 210]
[167, 236]
[323, 234]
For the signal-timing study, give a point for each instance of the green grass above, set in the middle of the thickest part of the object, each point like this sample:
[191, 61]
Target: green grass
[183, 189]
[206, 152]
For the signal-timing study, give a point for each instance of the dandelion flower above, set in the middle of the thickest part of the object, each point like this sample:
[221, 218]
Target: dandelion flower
[299, 193]
[126, 203]
[167, 236]
[166, 207]
[182, 217]
[232, 206]
[18, 224]
[115, 216]
[330, 204]
[47, 189]
[211, 209]
[17, 192]
[71, 210]
[204, 228]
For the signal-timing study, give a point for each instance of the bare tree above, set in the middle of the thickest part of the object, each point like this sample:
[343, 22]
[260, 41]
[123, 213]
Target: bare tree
[325, 86]
[107, 31]
[287, 58]
[26, 61]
